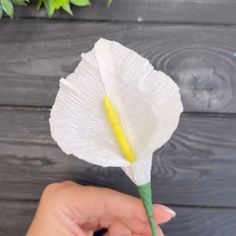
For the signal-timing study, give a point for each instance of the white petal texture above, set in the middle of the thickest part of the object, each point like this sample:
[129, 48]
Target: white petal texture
[147, 101]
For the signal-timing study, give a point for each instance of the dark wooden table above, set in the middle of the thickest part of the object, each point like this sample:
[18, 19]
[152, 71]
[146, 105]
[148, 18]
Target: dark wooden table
[192, 41]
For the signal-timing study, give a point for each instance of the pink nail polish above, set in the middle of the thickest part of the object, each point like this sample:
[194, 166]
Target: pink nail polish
[172, 213]
[167, 209]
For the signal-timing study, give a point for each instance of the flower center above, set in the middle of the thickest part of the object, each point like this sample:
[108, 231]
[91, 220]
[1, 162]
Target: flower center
[118, 131]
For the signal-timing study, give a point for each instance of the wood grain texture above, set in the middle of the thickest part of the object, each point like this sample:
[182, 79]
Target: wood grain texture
[36, 54]
[196, 167]
[168, 11]
[205, 222]
[16, 217]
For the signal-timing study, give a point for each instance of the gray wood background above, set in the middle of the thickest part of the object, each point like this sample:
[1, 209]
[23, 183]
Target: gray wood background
[192, 41]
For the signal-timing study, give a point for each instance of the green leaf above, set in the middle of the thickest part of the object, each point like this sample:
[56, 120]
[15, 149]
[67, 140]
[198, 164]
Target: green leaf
[39, 4]
[109, 3]
[58, 3]
[49, 7]
[20, 2]
[1, 11]
[8, 7]
[81, 3]
[67, 8]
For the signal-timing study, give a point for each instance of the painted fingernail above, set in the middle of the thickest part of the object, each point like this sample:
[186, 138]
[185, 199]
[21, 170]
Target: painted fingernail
[165, 208]
[172, 213]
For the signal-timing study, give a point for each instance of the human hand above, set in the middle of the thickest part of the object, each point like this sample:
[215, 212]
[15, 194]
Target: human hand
[69, 209]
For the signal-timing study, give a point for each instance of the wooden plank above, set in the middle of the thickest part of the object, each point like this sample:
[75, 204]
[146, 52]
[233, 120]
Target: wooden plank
[35, 54]
[195, 222]
[196, 167]
[168, 11]
[16, 217]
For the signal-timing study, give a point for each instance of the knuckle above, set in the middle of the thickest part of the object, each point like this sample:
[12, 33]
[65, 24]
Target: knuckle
[50, 197]
[55, 193]
[67, 182]
[56, 190]
[106, 191]
[50, 190]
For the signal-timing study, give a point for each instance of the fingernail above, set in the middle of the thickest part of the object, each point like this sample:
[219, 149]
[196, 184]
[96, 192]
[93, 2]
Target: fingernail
[165, 208]
[172, 213]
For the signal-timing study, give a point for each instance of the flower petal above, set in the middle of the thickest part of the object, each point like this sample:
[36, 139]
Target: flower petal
[148, 103]
[78, 122]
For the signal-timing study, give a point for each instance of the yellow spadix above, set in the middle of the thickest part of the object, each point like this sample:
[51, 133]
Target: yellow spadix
[117, 128]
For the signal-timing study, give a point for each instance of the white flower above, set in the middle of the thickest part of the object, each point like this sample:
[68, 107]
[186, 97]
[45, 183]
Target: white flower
[147, 101]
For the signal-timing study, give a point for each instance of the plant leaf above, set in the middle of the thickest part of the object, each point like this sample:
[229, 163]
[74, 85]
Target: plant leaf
[1, 11]
[67, 8]
[20, 2]
[8, 7]
[39, 4]
[58, 3]
[49, 7]
[109, 3]
[81, 3]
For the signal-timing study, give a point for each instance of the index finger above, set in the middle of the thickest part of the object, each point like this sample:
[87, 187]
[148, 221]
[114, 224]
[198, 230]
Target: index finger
[97, 202]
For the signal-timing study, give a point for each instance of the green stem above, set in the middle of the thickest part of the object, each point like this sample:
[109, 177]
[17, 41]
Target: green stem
[145, 193]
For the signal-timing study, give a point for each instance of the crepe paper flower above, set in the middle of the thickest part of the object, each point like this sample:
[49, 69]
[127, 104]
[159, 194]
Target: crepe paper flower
[116, 110]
